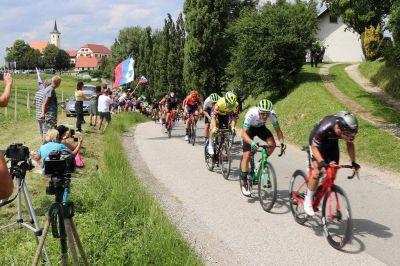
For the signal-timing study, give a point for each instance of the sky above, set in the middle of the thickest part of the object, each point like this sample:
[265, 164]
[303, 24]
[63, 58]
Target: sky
[79, 21]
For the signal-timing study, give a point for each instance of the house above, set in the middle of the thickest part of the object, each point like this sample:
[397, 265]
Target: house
[93, 50]
[89, 56]
[86, 63]
[39, 45]
[341, 45]
[72, 56]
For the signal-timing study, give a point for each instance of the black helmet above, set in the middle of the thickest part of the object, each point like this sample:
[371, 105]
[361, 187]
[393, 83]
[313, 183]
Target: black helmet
[347, 121]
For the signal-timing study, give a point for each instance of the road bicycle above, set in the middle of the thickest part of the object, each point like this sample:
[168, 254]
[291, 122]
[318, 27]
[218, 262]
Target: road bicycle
[192, 129]
[336, 212]
[222, 155]
[264, 176]
[169, 123]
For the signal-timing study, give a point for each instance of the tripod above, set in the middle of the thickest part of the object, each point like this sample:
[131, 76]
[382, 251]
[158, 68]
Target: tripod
[18, 171]
[63, 227]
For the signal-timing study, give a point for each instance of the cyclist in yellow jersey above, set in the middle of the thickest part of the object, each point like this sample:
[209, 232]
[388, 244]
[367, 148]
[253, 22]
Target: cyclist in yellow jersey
[220, 117]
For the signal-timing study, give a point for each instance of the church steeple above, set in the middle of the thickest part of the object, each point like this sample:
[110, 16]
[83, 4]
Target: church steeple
[55, 30]
[55, 35]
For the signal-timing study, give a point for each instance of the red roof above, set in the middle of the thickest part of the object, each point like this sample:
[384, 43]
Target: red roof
[97, 48]
[84, 61]
[39, 46]
[72, 53]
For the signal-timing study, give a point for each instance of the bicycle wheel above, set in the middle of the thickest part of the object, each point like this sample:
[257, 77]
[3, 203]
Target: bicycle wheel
[208, 158]
[169, 127]
[298, 185]
[336, 218]
[190, 135]
[267, 192]
[225, 159]
[193, 136]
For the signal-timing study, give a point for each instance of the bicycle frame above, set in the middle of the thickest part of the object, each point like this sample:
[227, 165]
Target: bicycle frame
[263, 162]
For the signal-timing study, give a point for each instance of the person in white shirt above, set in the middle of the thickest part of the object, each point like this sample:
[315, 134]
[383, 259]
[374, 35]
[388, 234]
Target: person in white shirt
[104, 108]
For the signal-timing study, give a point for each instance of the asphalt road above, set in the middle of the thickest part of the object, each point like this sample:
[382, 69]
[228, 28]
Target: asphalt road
[227, 228]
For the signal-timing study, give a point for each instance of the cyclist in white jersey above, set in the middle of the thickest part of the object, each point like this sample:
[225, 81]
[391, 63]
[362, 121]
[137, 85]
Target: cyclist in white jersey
[207, 111]
[254, 125]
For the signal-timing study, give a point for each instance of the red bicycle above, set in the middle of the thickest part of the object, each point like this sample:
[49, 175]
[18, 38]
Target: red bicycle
[169, 122]
[336, 212]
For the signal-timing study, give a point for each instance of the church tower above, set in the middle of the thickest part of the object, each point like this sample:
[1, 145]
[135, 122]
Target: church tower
[55, 35]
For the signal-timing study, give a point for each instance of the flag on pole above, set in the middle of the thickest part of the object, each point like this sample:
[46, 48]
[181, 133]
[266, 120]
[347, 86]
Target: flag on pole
[39, 80]
[143, 80]
[124, 72]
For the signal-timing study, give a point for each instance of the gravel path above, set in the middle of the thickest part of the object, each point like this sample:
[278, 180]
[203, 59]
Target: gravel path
[392, 129]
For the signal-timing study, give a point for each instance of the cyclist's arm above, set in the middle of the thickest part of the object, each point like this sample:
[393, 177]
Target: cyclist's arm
[351, 151]
[317, 155]
[279, 133]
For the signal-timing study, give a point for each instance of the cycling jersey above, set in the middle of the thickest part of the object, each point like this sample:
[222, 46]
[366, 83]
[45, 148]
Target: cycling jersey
[193, 101]
[252, 118]
[172, 103]
[208, 103]
[221, 108]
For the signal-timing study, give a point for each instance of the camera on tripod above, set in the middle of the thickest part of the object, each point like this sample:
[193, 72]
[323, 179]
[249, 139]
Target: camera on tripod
[59, 163]
[20, 161]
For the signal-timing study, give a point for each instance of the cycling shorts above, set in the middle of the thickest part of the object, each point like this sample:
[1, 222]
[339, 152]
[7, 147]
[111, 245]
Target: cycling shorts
[192, 108]
[262, 132]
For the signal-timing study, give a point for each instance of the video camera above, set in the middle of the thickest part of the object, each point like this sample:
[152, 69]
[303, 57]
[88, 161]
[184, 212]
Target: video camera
[20, 161]
[59, 163]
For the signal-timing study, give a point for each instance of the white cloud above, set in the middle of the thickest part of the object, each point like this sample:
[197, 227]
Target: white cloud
[120, 16]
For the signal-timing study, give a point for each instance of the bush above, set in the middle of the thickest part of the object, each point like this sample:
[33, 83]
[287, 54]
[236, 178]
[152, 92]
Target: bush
[392, 56]
[372, 42]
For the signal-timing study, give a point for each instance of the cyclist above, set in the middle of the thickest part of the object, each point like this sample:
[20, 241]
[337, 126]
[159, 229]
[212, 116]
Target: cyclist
[171, 107]
[192, 106]
[254, 125]
[154, 109]
[324, 147]
[220, 117]
[162, 105]
[207, 111]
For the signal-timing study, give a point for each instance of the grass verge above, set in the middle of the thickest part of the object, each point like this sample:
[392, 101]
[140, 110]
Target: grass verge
[386, 78]
[118, 221]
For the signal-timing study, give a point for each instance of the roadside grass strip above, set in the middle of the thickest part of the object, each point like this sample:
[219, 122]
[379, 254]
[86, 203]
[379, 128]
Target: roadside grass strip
[386, 78]
[353, 90]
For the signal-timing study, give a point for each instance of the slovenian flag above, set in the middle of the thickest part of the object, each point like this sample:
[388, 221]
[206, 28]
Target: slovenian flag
[143, 80]
[124, 72]
[39, 80]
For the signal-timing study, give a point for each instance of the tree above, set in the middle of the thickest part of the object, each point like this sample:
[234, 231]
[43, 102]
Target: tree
[394, 22]
[62, 60]
[50, 54]
[23, 55]
[271, 46]
[206, 48]
[360, 14]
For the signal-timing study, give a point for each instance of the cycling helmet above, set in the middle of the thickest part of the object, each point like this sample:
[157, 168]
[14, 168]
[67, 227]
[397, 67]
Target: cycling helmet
[214, 97]
[230, 97]
[265, 106]
[347, 121]
[172, 94]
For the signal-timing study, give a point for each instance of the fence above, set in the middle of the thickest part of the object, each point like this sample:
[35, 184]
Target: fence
[21, 104]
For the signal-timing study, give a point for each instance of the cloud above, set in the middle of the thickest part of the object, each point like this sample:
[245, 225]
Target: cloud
[120, 16]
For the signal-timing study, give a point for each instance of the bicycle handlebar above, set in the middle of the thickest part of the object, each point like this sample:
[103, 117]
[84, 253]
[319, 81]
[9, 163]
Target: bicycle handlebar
[338, 166]
[266, 146]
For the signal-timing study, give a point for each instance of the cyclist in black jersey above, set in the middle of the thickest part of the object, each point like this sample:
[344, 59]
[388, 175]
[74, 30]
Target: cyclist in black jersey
[324, 146]
[172, 105]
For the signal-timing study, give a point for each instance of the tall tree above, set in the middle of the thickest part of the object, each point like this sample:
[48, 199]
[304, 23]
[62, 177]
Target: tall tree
[206, 46]
[23, 55]
[360, 14]
[50, 55]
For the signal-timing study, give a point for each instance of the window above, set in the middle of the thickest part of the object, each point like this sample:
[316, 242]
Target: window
[333, 19]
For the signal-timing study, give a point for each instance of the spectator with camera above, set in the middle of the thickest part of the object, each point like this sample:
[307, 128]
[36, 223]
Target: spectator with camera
[6, 184]
[49, 106]
[52, 143]
[65, 133]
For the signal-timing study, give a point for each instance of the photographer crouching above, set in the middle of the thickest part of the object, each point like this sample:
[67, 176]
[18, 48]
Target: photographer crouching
[52, 143]
[6, 184]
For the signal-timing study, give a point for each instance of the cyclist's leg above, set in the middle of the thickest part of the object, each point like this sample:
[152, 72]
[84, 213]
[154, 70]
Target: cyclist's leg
[195, 116]
[244, 166]
[265, 135]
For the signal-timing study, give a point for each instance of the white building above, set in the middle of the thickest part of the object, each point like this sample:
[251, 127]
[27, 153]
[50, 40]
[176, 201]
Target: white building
[341, 45]
[55, 36]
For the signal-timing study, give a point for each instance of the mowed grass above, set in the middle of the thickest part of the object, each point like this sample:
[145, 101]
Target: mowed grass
[351, 89]
[309, 101]
[387, 78]
[118, 221]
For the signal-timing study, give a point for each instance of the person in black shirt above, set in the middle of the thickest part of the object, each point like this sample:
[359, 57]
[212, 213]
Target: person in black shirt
[324, 146]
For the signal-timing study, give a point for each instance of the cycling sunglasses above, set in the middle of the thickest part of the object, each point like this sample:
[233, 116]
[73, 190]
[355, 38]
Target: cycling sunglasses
[230, 105]
[264, 113]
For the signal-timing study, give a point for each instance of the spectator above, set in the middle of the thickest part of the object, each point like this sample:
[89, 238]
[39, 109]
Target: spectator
[64, 134]
[52, 143]
[38, 102]
[93, 112]
[6, 184]
[79, 98]
[49, 106]
[104, 108]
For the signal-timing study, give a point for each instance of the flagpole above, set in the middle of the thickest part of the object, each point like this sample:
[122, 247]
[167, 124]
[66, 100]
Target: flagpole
[137, 85]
